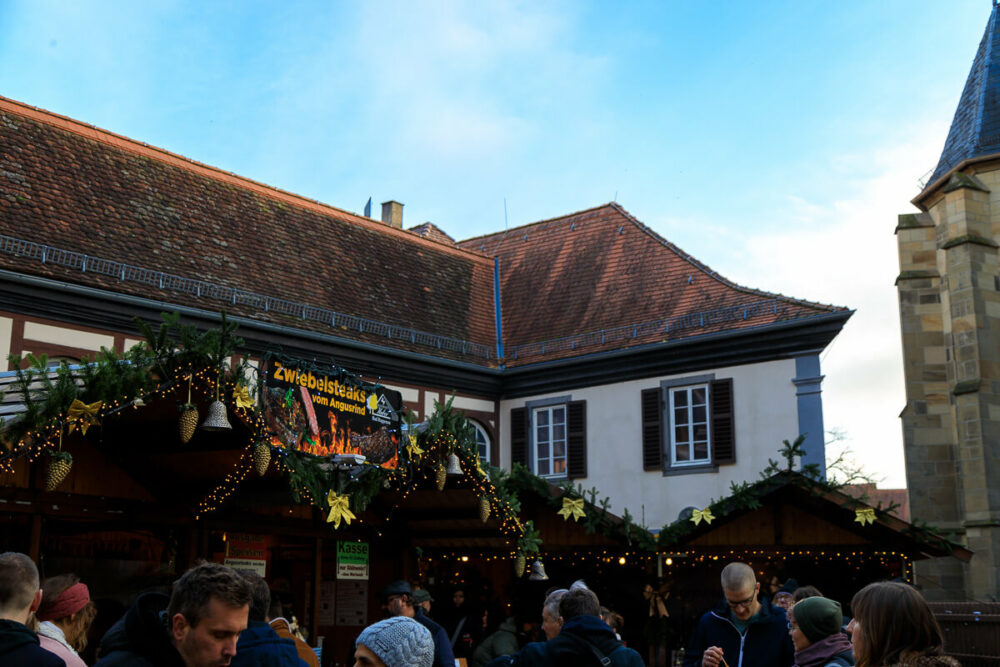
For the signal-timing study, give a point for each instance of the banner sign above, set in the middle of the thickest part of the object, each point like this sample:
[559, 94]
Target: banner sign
[352, 560]
[246, 553]
[323, 415]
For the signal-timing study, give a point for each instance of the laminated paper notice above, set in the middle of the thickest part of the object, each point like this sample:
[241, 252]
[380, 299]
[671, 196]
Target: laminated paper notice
[327, 596]
[352, 603]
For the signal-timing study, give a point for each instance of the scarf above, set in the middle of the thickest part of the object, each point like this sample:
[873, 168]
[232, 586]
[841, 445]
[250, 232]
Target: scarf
[820, 653]
[53, 631]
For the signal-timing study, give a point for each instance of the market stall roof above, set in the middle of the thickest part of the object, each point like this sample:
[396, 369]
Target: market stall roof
[789, 510]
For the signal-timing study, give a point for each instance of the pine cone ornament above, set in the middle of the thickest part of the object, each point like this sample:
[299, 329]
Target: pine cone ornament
[56, 471]
[484, 509]
[519, 564]
[440, 476]
[261, 458]
[188, 422]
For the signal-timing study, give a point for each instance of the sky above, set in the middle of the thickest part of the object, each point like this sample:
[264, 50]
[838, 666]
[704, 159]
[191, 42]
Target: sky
[774, 141]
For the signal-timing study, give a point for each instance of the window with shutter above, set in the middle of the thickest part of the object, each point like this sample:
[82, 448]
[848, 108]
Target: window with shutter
[550, 437]
[695, 425]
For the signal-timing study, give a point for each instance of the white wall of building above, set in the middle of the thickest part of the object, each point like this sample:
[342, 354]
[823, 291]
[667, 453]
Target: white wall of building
[765, 408]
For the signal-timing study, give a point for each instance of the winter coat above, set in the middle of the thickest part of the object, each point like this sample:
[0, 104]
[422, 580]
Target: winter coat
[140, 637]
[306, 654]
[52, 639]
[443, 657]
[502, 642]
[260, 646]
[765, 644]
[19, 647]
[578, 644]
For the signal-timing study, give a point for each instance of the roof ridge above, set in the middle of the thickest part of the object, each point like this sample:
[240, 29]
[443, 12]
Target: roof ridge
[536, 222]
[712, 273]
[141, 148]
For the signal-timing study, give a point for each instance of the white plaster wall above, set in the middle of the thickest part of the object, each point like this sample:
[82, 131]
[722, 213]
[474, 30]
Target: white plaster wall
[766, 413]
[68, 337]
[6, 331]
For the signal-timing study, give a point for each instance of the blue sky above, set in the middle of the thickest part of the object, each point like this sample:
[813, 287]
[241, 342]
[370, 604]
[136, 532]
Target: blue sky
[774, 141]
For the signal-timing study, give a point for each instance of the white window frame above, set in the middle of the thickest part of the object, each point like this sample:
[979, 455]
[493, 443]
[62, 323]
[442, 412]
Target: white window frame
[482, 439]
[689, 423]
[551, 459]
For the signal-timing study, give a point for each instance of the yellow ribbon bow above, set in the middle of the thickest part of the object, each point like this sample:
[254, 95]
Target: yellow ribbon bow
[864, 516]
[413, 449]
[84, 413]
[572, 509]
[241, 396]
[706, 514]
[339, 509]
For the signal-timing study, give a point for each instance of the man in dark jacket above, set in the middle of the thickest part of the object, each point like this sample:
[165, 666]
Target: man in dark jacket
[197, 627]
[397, 598]
[744, 630]
[584, 641]
[19, 596]
[260, 645]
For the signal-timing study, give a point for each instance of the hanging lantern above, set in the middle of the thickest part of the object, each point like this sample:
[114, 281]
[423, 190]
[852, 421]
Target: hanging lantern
[216, 419]
[538, 571]
[454, 467]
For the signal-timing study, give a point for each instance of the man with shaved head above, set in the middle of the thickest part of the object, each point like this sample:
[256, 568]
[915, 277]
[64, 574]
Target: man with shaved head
[19, 596]
[743, 631]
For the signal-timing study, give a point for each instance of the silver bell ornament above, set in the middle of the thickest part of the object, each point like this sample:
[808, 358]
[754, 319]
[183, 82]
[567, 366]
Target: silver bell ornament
[217, 418]
[454, 467]
[538, 571]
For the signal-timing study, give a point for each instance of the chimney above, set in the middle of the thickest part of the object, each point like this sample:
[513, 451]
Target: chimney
[392, 214]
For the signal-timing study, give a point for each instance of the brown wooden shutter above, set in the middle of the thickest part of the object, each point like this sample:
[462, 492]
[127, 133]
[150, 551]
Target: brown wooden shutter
[576, 439]
[652, 430]
[723, 428]
[519, 436]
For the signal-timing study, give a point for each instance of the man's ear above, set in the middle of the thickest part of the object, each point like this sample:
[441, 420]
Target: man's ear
[178, 626]
[37, 601]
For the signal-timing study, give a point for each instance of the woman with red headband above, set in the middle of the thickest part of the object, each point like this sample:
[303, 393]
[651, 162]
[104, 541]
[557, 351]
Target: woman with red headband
[65, 616]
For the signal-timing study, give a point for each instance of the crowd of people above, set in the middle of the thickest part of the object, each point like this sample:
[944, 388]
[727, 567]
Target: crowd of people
[215, 616]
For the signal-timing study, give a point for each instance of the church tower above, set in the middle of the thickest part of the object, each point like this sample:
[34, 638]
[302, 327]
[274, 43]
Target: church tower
[949, 305]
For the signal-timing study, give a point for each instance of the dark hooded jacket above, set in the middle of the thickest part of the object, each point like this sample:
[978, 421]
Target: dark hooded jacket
[582, 642]
[19, 648]
[140, 637]
[502, 642]
[260, 646]
[765, 644]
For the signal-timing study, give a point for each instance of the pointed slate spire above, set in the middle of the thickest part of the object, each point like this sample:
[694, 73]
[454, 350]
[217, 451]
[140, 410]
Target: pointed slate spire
[975, 130]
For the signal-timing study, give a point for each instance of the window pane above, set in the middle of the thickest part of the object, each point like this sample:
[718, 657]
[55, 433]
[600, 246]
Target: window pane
[698, 396]
[701, 451]
[542, 434]
[681, 416]
[558, 415]
[543, 450]
[543, 467]
[559, 466]
[542, 417]
[558, 432]
[680, 398]
[701, 432]
[559, 448]
[680, 434]
[681, 453]
[698, 413]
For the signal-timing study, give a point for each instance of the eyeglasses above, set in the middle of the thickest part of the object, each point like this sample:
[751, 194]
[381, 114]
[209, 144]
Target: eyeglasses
[792, 626]
[742, 603]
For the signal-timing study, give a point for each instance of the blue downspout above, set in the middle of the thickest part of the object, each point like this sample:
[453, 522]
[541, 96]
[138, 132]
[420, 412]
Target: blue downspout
[496, 309]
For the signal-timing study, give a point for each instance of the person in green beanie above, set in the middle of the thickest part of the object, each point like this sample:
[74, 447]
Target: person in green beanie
[814, 625]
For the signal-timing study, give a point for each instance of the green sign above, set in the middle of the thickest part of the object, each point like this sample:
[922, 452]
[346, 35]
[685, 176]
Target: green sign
[352, 560]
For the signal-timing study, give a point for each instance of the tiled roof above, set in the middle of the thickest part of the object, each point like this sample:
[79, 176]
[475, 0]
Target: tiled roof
[602, 272]
[431, 231]
[77, 188]
[975, 129]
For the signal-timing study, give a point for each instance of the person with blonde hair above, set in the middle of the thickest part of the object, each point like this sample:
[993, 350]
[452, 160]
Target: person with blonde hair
[893, 625]
[64, 616]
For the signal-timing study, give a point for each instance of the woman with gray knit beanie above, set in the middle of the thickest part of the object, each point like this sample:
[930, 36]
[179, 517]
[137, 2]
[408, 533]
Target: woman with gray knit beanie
[395, 642]
[814, 625]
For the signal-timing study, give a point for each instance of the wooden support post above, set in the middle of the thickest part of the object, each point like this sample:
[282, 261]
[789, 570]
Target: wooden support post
[317, 588]
[35, 548]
